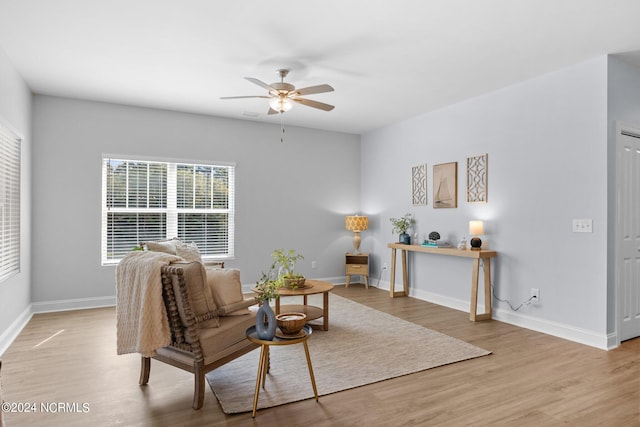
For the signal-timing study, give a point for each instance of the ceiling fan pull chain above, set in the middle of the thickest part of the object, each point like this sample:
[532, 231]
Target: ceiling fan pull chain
[282, 129]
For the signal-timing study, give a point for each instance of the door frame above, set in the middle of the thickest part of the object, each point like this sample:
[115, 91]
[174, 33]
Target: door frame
[620, 127]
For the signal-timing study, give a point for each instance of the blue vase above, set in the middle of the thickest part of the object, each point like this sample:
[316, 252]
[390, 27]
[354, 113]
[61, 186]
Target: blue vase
[265, 322]
[405, 238]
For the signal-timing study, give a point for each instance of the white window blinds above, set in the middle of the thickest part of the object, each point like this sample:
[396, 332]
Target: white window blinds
[9, 203]
[149, 200]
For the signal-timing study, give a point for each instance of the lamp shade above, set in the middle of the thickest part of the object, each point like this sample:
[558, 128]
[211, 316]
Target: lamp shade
[280, 104]
[356, 223]
[475, 228]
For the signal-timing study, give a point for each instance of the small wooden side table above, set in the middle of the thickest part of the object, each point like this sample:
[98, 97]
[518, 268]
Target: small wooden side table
[357, 264]
[263, 365]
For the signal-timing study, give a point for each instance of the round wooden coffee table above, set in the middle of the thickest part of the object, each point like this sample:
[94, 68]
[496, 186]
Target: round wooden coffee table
[312, 287]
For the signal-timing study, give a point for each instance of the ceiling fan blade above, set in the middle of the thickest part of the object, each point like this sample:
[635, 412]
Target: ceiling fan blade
[272, 111]
[241, 97]
[314, 89]
[314, 104]
[260, 83]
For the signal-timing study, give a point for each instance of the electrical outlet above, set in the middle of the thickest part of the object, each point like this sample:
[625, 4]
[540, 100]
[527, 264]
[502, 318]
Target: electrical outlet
[535, 295]
[384, 266]
[314, 264]
[583, 226]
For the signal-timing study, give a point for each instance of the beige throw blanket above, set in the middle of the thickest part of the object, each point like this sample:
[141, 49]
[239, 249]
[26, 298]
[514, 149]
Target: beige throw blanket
[142, 323]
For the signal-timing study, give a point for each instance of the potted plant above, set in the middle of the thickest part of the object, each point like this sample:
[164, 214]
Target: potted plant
[284, 262]
[266, 289]
[400, 227]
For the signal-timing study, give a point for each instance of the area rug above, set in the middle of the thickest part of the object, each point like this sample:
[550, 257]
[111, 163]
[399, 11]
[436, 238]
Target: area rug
[362, 346]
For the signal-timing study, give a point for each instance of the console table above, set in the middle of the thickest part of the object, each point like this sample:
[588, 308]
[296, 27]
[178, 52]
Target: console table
[485, 255]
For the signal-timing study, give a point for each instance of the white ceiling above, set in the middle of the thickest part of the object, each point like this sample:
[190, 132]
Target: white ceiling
[387, 60]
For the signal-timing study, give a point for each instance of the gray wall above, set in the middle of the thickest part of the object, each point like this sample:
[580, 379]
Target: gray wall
[547, 145]
[15, 111]
[288, 195]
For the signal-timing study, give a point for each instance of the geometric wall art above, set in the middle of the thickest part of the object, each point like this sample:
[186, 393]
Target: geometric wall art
[477, 174]
[445, 185]
[419, 185]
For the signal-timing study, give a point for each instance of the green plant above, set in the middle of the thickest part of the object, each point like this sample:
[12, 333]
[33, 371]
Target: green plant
[401, 225]
[285, 263]
[267, 288]
[281, 273]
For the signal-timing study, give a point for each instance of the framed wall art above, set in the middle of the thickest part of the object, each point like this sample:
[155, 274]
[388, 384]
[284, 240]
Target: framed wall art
[477, 174]
[419, 185]
[445, 185]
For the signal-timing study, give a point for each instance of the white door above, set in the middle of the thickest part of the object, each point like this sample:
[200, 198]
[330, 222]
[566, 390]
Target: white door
[628, 231]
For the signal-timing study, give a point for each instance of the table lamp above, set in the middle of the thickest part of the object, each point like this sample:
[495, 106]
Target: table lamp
[475, 228]
[356, 223]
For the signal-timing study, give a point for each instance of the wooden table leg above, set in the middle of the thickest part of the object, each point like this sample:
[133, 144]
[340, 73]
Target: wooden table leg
[258, 380]
[393, 273]
[473, 309]
[487, 287]
[405, 274]
[475, 276]
[266, 365]
[313, 378]
[325, 311]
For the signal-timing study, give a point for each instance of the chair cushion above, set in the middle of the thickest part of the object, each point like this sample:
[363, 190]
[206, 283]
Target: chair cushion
[200, 296]
[232, 331]
[226, 288]
[166, 246]
[189, 252]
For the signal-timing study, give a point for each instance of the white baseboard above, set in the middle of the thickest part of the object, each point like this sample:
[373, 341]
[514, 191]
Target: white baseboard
[11, 333]
[73, 304]
[568, 332]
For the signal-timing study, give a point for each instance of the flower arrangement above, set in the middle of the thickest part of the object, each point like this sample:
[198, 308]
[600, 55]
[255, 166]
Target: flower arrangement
[401, 225]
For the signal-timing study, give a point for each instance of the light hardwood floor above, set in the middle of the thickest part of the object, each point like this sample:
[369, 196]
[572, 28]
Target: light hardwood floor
[530, 379]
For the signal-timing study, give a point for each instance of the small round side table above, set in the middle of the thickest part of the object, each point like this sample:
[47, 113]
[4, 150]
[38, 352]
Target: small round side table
[263, 365]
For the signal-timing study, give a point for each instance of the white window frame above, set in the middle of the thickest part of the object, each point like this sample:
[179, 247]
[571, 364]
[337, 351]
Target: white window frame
[172, 211]
[10, 235]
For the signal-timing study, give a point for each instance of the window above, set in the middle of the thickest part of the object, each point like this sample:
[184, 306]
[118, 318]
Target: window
[152, 200]
[9, 203]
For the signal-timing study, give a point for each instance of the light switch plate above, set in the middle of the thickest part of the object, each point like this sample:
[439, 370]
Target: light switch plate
[583, 226]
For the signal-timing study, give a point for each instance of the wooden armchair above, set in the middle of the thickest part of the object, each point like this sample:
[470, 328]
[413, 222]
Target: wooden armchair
[197, 346]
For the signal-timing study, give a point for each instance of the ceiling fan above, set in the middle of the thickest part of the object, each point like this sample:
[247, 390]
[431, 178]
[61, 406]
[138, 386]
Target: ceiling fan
[282, 94]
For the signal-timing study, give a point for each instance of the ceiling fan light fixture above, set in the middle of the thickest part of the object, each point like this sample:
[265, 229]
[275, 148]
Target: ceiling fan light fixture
[281, 104]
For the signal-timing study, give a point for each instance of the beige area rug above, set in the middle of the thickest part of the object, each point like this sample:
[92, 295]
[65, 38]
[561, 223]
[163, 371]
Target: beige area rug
[355, 351]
